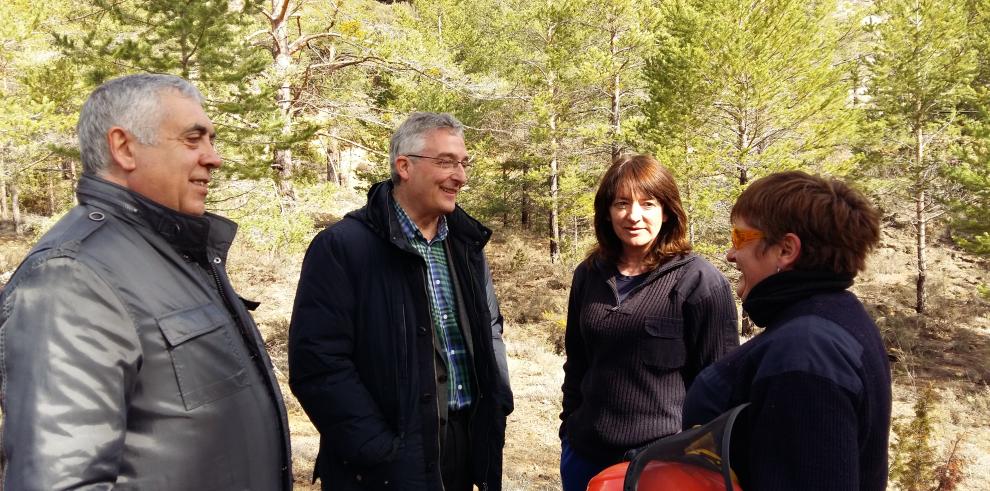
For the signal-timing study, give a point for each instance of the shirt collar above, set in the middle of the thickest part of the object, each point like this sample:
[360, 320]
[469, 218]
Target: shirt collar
[411, 230]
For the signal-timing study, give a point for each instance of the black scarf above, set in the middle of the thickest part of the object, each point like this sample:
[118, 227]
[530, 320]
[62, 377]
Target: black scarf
[779, 291]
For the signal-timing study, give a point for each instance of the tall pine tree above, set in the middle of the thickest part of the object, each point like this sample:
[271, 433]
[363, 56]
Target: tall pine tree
[205, 41]
[921, 72]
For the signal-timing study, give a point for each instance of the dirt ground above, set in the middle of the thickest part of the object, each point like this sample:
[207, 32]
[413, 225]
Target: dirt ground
[949, 349]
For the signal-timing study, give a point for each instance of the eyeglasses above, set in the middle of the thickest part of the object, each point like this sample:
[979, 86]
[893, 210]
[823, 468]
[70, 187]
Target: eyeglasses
[446, 163]
[743, 237]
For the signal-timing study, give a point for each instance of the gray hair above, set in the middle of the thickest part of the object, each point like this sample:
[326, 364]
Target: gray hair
[411, 135]
[132, 102]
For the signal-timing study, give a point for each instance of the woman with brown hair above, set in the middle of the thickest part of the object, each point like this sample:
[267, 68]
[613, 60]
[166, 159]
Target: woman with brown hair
[817, 379]
[645, 315]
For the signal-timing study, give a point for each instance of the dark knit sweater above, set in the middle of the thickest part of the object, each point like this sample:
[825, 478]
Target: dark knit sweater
[818, 382]
[628, 364]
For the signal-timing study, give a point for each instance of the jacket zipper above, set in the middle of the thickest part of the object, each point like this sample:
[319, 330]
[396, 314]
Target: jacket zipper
[255, 358]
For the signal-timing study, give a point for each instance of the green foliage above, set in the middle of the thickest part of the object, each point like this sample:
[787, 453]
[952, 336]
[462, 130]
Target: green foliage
[914, 457]
[206, 42]
[756, 85]
[740, 90]
[970, 222]
[923, 63]
[275, 230]
[970, 217]
[984, 291]
[917, 465]
[919, 74]
[39, 94]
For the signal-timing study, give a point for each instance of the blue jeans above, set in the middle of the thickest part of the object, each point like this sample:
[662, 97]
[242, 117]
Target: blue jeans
[576, 471]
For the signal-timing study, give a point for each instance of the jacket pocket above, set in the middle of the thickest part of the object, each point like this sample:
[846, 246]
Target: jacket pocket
[663, 346]
[208, 364]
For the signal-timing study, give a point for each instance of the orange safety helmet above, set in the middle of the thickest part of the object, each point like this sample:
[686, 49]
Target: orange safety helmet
[661, 476]
[692, 460]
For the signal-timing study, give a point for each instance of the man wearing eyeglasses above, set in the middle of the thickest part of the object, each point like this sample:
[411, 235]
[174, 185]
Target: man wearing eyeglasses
[395, 346]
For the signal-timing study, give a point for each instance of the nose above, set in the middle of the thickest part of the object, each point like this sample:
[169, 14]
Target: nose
[459, 174]
[635, 212]
[730, 255]
[211, 158]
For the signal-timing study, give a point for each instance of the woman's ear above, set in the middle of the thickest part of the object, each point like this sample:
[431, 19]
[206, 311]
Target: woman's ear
[790, 251]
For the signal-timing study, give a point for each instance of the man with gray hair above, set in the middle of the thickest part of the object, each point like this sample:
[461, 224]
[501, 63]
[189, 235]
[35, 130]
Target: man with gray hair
[395, 346]
[126, 358]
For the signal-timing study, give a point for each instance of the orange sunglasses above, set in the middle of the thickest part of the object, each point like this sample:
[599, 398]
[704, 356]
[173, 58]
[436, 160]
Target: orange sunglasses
[743, 237]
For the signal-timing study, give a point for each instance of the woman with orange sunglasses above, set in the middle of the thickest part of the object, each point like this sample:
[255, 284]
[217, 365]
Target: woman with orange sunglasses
[817, 378]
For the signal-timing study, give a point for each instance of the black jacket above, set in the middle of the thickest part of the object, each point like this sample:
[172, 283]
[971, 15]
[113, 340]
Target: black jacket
[818, 383]
[361, 352]
[629, 363]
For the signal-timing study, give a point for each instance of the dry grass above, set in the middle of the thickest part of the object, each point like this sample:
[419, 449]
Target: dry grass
[12, 251]
[533, 298]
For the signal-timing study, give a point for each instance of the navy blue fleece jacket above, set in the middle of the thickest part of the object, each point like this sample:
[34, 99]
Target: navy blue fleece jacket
[818, 381]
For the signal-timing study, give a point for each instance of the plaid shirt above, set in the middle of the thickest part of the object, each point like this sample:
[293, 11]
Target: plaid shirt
[442, 308]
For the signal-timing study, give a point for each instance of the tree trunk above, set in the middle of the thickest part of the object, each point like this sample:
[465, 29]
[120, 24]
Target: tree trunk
[505, 195]
[68, 170]
[574, 248]
[616, 107]
[343, 175]
[51, 193]
[3, 196]
[282, 163]
[687, 194]
[742, 142]
[746, 325]
[919, 212]
[440, 26]
[922, 261]
[554, 193]
[15, 206]
[524, 204]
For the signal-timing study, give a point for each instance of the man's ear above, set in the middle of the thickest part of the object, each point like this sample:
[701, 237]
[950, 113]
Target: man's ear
[790, 251]
[121, 145]
[402, 164]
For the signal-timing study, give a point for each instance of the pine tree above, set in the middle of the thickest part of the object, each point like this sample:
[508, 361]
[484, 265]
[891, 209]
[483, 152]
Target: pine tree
[921, 71]
[205, 41]
[970, 219]
[38, 97]
[739, 90]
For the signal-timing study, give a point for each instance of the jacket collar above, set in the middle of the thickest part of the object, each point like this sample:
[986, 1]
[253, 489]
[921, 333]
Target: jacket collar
[769, 299]
[190, 234]
[379, 215]
[610, 270]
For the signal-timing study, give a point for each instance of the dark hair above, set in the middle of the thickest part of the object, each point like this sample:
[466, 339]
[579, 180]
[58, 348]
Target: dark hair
[837, 225]
[643, 174]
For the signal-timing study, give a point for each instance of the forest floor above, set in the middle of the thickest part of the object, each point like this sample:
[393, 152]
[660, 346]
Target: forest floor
[948, 350]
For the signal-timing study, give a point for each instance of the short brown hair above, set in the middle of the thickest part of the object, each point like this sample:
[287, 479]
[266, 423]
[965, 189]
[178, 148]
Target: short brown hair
[645, 175]
[837, 225]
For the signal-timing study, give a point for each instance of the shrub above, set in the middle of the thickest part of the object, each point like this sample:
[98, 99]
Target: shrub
[916, 463]
[913, 464]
